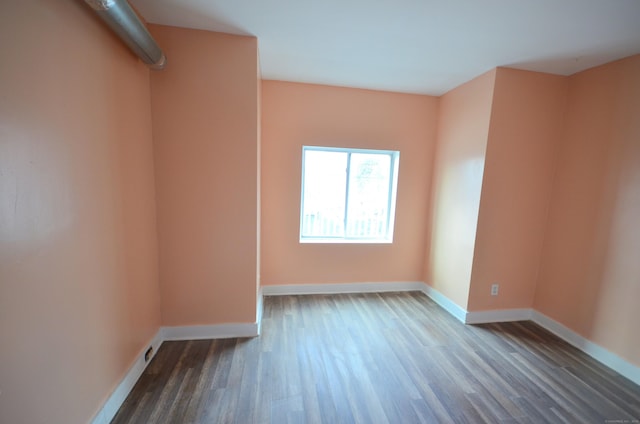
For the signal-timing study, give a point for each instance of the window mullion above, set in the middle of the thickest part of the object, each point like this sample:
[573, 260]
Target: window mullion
[346, 194]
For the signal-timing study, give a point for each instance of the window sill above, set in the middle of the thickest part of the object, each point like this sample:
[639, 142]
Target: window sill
[343, 241]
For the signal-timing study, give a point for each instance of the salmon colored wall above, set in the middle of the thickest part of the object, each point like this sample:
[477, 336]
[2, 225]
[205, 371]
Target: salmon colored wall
[294, 115]
[79, 297]
[259, 182]
[526, 124]
[463, 126]
[590, 273]
[205, 127]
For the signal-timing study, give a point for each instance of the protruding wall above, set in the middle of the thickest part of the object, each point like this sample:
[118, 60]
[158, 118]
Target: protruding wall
[205, 134]
[526, 125]
[463, 127]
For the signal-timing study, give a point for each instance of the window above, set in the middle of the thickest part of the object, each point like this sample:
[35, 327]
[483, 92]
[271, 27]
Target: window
[348, 195]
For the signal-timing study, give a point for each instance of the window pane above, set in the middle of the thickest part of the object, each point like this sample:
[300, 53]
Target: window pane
[324, 193]
[368, 207]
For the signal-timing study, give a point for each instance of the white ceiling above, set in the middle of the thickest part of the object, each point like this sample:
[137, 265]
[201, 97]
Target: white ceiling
[417, 46]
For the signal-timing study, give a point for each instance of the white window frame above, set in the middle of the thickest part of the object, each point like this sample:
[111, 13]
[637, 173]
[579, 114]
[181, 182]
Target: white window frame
[391, 196]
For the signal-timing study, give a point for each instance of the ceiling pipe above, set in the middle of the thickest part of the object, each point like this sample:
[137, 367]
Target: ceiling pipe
[121, 18]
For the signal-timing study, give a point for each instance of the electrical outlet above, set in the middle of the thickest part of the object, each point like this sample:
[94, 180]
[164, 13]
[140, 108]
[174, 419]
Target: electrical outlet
[148, 353]
[494, 289]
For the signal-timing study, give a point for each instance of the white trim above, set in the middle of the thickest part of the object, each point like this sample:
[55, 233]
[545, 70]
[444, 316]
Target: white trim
[196, 332]
[216, 331]
[344, 240]
[558, 329]
[498, 315]
[446, 303]
[299, 289]
[118, 396]
[597, 352]
[259, 310]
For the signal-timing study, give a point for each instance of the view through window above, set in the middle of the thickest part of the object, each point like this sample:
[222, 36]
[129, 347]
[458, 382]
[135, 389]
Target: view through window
[348, 195]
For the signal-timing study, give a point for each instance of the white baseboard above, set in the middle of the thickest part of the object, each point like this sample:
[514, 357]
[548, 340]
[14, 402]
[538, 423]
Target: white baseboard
[301, 289]
[446, 303]
[195, 332]
[115, 400]
[259, 310]
[217, 331]
[499, 315]
[597, 352]
[118, 396]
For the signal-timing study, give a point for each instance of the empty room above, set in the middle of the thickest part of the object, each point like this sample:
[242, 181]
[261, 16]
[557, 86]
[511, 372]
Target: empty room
[218, 211]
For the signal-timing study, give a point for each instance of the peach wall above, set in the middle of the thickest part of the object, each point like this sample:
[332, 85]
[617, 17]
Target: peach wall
[463, 125]
[590, 272]
[526, 124]
[79, 297]
[259, 182]
[205, 127]
[302, 114]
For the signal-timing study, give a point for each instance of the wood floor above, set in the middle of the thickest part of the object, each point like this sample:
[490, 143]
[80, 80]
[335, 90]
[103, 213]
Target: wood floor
[378, 358]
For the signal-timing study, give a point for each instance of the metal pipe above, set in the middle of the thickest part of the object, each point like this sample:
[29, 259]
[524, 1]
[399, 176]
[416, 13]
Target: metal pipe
[121, 18]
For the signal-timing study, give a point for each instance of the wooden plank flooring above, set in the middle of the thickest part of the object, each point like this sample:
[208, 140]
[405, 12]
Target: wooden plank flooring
[378, 358]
